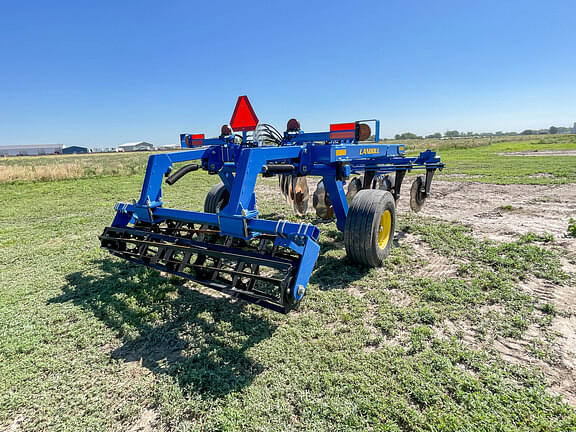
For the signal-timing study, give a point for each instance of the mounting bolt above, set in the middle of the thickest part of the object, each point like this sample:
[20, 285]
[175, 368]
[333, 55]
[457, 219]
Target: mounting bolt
[301, 290]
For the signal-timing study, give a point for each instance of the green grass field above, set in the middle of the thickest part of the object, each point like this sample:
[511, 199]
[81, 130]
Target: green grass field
[92, 343]
[486, 164]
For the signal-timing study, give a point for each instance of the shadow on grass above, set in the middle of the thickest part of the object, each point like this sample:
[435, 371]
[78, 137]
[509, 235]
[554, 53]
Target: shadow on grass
[335, 272]
[198, 339]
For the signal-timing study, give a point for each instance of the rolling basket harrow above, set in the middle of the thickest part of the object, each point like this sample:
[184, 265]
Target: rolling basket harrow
[269, 262]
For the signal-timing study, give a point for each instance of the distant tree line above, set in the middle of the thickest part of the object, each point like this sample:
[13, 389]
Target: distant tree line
[552, 130]
[457, 134]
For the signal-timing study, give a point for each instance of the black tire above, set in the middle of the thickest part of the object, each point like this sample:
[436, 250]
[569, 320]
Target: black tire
[365, 243]
[216, 199]
[417, 198]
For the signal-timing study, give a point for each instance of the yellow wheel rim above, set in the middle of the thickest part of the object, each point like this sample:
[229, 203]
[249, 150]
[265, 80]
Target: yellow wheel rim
[384, 229]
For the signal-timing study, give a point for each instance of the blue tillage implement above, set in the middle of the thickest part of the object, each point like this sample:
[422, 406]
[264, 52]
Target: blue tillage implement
[268, 262]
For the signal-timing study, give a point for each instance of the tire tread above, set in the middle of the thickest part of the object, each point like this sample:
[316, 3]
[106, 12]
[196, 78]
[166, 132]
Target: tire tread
[362, 223]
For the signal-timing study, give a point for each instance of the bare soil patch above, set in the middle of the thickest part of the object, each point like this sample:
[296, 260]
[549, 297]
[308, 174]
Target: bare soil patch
[502, 212]
[561, 373]
[541, 153]
[16, 423]
[498, 212]
[430, 263]
[145, 423]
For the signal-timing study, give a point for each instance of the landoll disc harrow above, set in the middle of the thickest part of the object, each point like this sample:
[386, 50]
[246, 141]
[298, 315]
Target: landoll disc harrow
[269, 262]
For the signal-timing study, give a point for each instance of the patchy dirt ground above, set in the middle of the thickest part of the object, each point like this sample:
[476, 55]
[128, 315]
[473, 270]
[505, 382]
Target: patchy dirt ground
[541, 153]
[504, 213]
[497, 212]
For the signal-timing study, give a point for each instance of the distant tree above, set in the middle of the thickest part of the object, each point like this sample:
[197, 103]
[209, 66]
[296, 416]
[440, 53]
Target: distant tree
[527, 132]
[406, 135]
[553, 130]
[452, 133]
[498, 133]
[434, 135]
[470, 133]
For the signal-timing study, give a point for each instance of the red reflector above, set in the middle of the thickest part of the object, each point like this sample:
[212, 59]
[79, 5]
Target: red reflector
[343, 131]
[343, 135]
[194, 140]
[342, 127]
[244, 118]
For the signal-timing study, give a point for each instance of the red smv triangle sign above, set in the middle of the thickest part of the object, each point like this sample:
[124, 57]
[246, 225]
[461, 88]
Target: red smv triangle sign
[244, 117]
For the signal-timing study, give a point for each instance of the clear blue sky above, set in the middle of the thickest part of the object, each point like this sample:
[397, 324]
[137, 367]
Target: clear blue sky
[100, 73]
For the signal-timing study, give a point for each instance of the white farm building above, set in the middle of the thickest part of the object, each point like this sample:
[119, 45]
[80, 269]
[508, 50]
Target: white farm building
[31, 150]
[136, 146]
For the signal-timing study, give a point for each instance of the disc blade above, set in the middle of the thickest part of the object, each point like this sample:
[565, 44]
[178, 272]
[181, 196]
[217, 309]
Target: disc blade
[321, 202]
[301, 195]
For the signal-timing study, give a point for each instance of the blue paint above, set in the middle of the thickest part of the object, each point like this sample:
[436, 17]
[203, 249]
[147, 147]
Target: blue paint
[239, 164]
